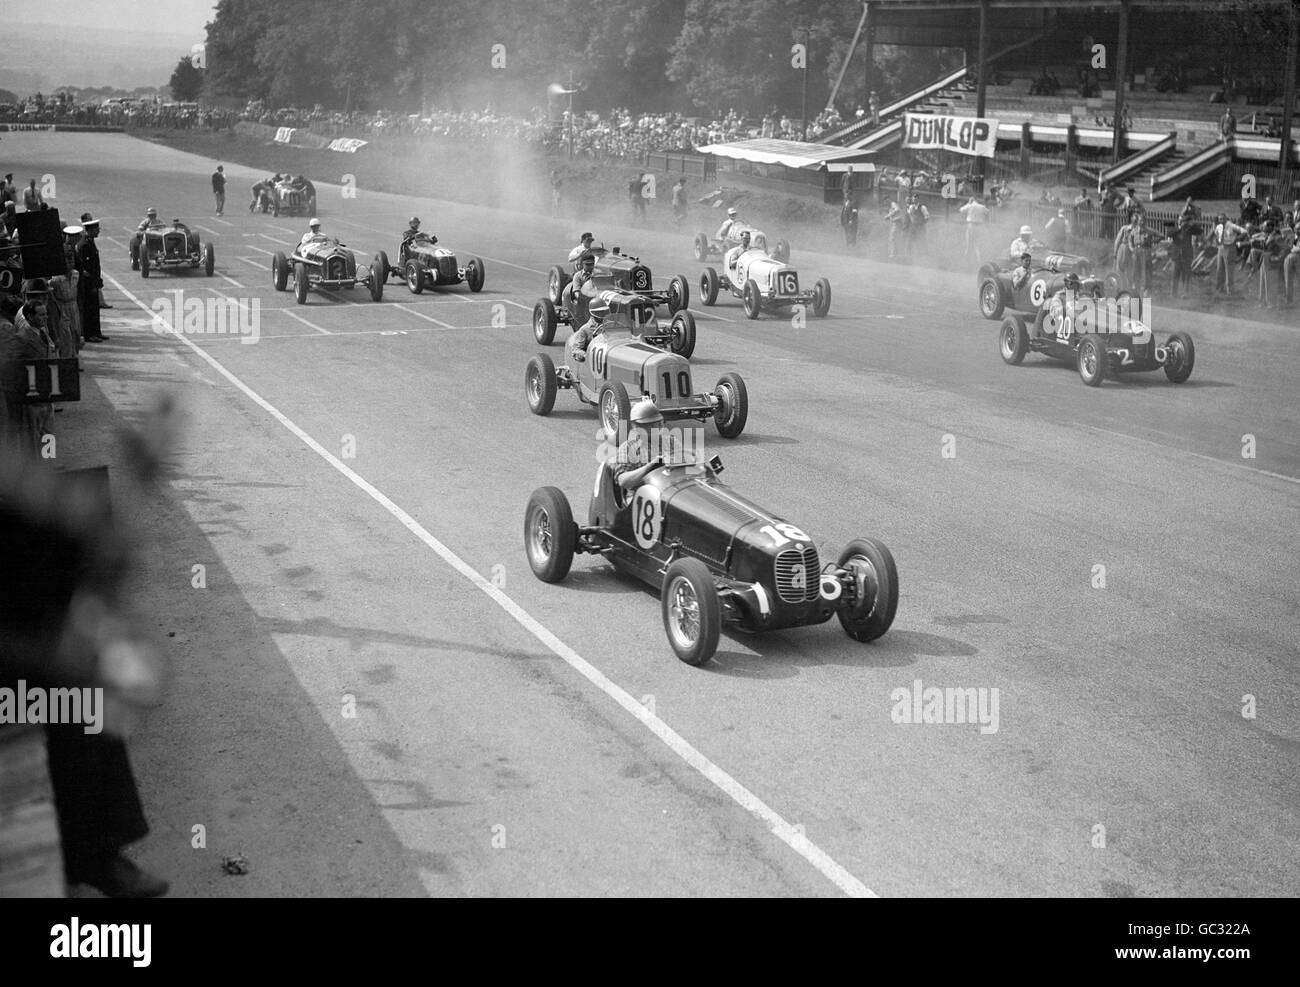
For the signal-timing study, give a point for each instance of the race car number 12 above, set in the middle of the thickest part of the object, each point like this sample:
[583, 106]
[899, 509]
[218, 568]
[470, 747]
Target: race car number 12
[647, 518]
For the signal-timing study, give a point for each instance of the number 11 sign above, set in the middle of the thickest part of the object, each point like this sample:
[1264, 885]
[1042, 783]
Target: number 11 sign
[51, 381]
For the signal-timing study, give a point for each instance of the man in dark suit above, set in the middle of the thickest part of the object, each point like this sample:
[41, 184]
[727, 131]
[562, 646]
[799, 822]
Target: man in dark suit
[87, 258]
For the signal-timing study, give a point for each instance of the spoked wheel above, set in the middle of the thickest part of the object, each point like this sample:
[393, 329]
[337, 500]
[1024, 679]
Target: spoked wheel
[992, 304]
[555, 283]
[1013, 340]
[414, 277]
[539, 384]
[615, 409]
[550, 536]
[1092, 360]
[544, 322]
[691, 611]
[682, 329]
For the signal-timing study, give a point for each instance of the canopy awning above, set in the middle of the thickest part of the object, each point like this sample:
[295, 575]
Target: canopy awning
[791, 154]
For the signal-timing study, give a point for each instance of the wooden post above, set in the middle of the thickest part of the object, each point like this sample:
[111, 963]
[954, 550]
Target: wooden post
[1121, 80]
[1288, 92]
[982, 84]
[869, 36]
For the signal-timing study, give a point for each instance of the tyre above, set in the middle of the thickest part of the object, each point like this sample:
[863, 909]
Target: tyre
[1182, 357]
[822, 298]
[679, 294]
[1013, 340]
[877, 579]
[781, 252]
[992, 304]
[280, 271]
[732, 411]
[550, 536]
[614, 408]
[209, 259]
[692, 613]
[1092, 360]
[275, 206]
[378, 275]
[539, 384]
[683, 334]
[414, 277]
[544, 322]
[300, 283]
[475, 273]
[708, 286]
[555, 283]
[144, 263]
[753, 299]
[701, 247]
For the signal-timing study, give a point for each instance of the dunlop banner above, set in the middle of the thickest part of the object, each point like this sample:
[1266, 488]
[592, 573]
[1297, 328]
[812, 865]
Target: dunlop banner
[976, 136]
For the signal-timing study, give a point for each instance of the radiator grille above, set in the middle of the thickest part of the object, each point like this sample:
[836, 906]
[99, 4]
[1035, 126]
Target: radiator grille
[336, 269]
[798, 574]
[447, 269]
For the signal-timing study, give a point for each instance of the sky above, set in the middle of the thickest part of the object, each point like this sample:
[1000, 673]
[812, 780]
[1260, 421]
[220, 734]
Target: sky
[163, 16]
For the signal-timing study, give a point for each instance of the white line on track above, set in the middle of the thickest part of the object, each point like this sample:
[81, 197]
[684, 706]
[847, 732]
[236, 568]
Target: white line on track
[526, 308]
[421, 315]
[260, 250]
[294, 315]
[1198, 455]
[357, 332]
[256, 263]
[218, 219]
[231, 280]
[742, 796]
[273, 239]
[284, 228]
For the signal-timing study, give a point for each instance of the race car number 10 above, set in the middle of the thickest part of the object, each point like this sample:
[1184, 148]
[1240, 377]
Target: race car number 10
[647, 518]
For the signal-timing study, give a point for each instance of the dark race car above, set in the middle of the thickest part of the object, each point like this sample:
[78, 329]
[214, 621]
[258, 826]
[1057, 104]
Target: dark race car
[617, 271]
[1098, 336]
[717, 558]
[574, 310]
[171, 248]
[293, 197]
[998, 293]
[326, 263]
[629, 359]
[421, 263]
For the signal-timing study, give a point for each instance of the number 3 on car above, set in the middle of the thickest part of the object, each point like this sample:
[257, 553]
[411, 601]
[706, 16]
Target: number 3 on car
[647, 517]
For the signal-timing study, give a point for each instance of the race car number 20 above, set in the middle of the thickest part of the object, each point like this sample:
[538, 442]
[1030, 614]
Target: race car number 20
[647, 516]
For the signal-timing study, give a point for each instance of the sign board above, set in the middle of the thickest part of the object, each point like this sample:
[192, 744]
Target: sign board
[40, 242]
[284, 134]
[349, 145]
[51, 381]
[975, 136]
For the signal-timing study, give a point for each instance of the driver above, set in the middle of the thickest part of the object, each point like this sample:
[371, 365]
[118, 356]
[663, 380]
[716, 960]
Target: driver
[1021, 274]
[586, 273]
[315, 236]
[733, 255]
[412, 234]
[727, 224]
[584, 247]
[637, 454]
[581, 339]
[150, 221]
[1024, 242]
[260, 186]
[1068, 300]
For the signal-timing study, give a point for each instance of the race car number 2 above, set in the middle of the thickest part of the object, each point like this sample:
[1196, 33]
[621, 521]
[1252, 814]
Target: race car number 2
[647, 516]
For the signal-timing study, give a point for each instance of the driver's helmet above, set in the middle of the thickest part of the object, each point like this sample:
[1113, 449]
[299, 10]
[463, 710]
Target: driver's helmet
[151, 212]
[645, 413]
[760, 241]
[732, 212]
[587, 261]
[314, 224]
[414, 222]
[1026, 231]
[1072, 282]
[598, 309]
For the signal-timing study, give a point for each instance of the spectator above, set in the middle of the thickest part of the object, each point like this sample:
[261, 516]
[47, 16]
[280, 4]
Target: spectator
[1056, 234]
[556, 183]
[7, 191]
[849, 221]
[679, 201]
[1181, 248]
[32, 197]
[897, 220]
[219, 188]
[1227, 124]
[977, 216]
[1291, 267]
[31, 329]
[846, 184]
[918, 217]
[873, 107]
[1224, 237]
[1191, 211]
[90, 281]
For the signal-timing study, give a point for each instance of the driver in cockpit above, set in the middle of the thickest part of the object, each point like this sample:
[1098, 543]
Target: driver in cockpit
[315, 236]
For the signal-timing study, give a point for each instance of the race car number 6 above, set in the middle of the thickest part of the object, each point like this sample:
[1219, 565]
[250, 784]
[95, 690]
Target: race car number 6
[1038, 292]
[647, 518]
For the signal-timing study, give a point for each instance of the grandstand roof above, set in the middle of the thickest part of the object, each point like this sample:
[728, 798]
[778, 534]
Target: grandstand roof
[792, 154]
[902, 6]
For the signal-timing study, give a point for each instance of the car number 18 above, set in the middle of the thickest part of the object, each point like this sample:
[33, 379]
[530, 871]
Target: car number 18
[647, 518]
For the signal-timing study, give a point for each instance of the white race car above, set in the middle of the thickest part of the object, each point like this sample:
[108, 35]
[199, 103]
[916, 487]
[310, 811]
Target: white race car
[763, 282]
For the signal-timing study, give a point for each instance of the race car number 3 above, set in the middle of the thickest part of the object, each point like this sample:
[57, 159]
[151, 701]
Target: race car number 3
[647, 516]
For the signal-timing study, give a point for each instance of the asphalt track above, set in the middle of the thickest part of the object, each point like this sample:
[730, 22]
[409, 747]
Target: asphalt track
[513, 737]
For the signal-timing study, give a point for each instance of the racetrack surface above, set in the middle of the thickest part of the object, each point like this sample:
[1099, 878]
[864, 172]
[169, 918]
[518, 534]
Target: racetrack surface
[482, 760]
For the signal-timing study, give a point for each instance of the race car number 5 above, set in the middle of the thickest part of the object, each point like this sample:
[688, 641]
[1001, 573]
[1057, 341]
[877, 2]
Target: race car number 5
[647, 517]
[1038, 292]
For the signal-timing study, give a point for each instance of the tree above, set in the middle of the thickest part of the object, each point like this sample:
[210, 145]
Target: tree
[186, 82]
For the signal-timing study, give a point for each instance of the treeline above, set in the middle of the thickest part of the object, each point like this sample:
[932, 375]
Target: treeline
[403, 55]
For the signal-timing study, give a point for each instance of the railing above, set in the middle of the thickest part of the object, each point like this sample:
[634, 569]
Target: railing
[1135, 163]
[1192, 169]
[855, 129]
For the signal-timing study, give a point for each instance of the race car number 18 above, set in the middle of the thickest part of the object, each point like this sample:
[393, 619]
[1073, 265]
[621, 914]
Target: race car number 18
[647, 518]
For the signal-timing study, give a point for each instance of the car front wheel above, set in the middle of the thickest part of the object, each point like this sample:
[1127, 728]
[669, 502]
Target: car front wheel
[550, 536]
[1092, 360]
[691, 611]
[753, 299]
[992, 304]
[875, 578]
[1013, 340]
[1182, 357]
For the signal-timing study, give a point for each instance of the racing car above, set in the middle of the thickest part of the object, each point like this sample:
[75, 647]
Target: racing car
[627, 360]
[573, 308]
[1096, 337]
[717, 558]
[422, 264]
[615, 270]
[294, 197]
[707, 246]
[764, 283]
[998, 292]
[172, 248]
[327, 263]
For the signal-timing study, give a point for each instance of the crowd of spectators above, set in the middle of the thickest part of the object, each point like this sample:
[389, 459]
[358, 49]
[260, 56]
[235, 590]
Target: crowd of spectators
[61, 109]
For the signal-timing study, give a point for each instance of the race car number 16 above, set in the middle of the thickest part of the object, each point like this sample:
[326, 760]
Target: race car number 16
[647, 518]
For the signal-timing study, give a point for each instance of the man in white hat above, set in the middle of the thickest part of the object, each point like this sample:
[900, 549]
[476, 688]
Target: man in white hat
[1022, 244]
[728, 223]
[314, 235]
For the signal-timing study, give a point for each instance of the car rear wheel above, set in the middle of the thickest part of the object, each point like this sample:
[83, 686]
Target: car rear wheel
[475, 273]
[144, 262]
[701, 247]
[1013, 340]
[1182, 357]
[732, 411]
[209, 259]
[781, 252]
[1092, 360]
[555, 283]
[992, 304]
[683, 334]
[753, 299]
[539, 384]
[544, 322]
[822, 298]
[414, 277]
[378, 275]
[876, 579]
[692, 613]
[614, 408]
[300, 283]
[280, 271]
[550, 536]
[708, 286]
[679, 294]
